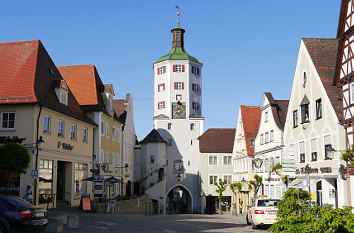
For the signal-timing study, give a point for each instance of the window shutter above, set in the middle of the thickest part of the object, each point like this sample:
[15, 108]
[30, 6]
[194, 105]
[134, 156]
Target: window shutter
[164, 69]
[197, 71]
[175, 85]
[163, 104]
[163, 86]
[158, 105]
[182, 85]
[174, 68]
[182, 68]
[158, 70]
[158, 88]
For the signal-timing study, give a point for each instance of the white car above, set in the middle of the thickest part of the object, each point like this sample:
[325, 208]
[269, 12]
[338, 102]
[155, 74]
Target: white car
[262, 212]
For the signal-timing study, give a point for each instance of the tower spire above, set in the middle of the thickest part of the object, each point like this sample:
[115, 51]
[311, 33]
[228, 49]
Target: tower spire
[178, 33]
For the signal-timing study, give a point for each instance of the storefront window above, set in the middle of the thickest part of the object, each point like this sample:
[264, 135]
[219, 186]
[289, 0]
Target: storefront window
[45, 180]
[80, 186]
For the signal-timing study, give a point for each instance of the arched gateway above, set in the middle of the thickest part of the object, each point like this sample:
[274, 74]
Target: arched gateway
[179, 200]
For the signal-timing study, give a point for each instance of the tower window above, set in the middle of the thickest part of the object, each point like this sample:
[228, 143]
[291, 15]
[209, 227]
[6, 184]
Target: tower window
[305, 113]
[195, 70]
[192, 126]
[195, 87]
[161, 70]
[179, 85]
[178, 68]
[195, 105]
[161, 105]
[161, 87]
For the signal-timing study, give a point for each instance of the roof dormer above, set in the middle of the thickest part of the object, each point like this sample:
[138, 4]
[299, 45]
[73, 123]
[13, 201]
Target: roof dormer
[108, 98]
[62, 91]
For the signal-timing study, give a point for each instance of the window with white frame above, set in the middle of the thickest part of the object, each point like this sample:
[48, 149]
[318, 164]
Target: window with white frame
[261, 139]
[107, 130]
[113, 132]
[60, 128]
[227, 179]
[191, 126]
[271, 135]
[102, 128]
[302, 152]
[352, 93]
[179, 85]
[113, 158]
[161, 105]
[73, 131]
[102, 156]
[213, 160]
[8, 120]
[46, 123]
[107, 157]
[213, 179]
[227, 159]
[295, 118]
[84, 134]
[318, 109]
[314, 149]
[195, 105]
[161, 70]
[161, 87]
[252, 142]
[266, 117]
[327, 146]
[64, 97]
[266, 137]
[178, 68]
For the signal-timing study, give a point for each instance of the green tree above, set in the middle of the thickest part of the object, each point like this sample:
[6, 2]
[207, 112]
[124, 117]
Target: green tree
[348, 156]
[255, 184]
[14, 158]
[221, 187]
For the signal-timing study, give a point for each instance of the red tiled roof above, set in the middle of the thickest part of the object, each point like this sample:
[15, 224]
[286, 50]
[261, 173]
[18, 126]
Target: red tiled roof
[18, 63]
[85, 83]
[118, 106]
[30, 76]
[251, 116]
[323, 53]
[217, 141]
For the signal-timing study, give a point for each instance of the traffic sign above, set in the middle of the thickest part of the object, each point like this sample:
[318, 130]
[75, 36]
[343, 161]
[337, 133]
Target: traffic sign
[34, 173]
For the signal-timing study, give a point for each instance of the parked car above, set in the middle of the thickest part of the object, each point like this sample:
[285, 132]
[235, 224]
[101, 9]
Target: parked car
[263, 211]
[18, 215]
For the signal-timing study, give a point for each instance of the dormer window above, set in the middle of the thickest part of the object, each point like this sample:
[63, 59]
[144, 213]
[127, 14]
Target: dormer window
[64, 98]
[62, 91]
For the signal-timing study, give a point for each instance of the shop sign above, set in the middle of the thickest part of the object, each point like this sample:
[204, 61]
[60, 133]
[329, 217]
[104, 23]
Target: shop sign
[310, 170]
[8, 139]
[65, 146]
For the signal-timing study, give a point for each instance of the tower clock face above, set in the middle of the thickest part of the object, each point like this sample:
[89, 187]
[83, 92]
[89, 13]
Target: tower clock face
[178, 111]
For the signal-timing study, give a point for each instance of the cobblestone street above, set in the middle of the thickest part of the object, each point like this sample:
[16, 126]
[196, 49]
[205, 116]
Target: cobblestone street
[95, 223]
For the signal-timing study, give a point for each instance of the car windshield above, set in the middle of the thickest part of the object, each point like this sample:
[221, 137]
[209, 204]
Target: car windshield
[267, 202]
[16, 201]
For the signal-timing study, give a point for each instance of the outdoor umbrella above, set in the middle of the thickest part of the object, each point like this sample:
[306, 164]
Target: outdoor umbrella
[111, 180]
[89, 179]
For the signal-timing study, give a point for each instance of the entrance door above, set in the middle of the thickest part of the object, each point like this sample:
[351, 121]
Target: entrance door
[61, 180]
[129, 188]
[210, 204]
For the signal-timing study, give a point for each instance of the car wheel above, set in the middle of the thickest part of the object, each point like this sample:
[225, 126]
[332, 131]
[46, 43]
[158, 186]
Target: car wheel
[2, 229]
[254, 226]
[247, 220]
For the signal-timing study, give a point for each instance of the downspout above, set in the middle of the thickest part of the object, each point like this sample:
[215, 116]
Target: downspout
[121, 148]
[37, 154]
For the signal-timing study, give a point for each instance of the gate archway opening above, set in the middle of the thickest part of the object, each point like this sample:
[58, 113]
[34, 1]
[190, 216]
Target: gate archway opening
[179, 201]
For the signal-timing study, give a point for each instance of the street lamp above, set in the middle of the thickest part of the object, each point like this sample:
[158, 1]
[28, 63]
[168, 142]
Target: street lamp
[307, 171]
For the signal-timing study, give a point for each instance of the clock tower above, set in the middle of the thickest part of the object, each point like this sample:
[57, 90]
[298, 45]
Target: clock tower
[178, 116]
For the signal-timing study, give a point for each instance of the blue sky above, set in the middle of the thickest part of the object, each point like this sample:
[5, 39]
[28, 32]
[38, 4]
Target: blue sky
[247, 47]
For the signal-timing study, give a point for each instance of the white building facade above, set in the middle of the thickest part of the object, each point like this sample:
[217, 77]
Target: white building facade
[313, 124]
[178, 120]
[269, 143]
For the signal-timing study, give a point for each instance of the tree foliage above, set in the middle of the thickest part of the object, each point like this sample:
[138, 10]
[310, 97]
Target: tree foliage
[221, 187]
[14, 158]
[276, 168]
[233, 187]
[348, 156]
[255, 184]
[295, 214]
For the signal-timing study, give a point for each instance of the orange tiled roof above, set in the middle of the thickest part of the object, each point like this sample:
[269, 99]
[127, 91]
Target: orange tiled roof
[29, 75]
[85, 83]
[251, 116]
[18, 62]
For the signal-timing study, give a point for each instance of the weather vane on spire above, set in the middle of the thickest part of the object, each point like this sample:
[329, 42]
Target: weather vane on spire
[178, 13]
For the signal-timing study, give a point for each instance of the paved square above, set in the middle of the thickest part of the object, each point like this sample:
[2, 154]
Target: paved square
[95, 223]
